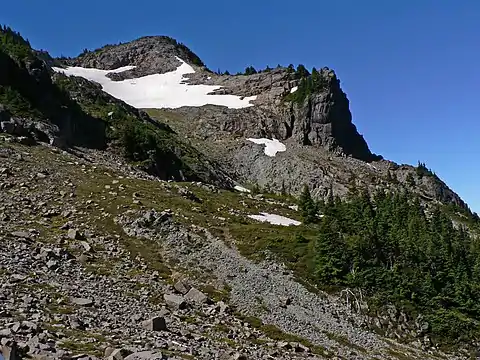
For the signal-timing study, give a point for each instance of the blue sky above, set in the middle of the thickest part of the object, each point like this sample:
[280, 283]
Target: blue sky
[409, 68]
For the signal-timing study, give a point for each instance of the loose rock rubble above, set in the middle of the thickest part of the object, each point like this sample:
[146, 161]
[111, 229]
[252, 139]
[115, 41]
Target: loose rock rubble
[70, 289]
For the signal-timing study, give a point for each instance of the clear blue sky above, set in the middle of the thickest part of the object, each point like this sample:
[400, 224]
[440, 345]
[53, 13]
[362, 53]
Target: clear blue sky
[409, 67]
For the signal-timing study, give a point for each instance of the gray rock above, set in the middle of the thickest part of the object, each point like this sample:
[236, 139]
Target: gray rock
[145, 355]
[5, 333]
[86, 246]
[21, 234]
[10, 351]
[118, 354]
[108, 351]
[196, 296]
[74, 234]
[285, 301]
[156, 323]
[175, 301]
[52, 264]
[238, 356]
[182, 287]
[81, 301]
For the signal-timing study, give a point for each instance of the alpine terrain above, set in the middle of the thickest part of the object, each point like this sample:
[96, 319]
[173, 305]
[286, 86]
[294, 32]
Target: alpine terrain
[153, 209]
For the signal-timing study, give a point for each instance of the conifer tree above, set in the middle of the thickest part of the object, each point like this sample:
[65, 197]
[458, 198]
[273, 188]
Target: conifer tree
[302, 72]
[329, 253]
[307, 206]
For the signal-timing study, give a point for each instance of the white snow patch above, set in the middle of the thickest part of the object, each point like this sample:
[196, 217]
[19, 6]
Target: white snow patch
[159, 90]
[271, 146]
[275, 219]
[110, 113]
[241, 189]
[292, 90]
[209, 78]
[293, 207]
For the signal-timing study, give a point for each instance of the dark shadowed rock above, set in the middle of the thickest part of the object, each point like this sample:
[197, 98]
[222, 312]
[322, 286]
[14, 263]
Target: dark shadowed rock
[156, 323]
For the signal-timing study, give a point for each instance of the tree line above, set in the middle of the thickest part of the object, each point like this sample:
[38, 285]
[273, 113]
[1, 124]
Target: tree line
[390, 247]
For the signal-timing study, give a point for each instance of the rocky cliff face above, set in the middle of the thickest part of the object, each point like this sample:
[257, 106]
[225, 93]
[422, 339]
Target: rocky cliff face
[322, 120]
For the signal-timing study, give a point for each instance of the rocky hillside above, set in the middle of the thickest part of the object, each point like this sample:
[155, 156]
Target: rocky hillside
[103, 261]
[39, 105]
[106, 257]
[308, 112]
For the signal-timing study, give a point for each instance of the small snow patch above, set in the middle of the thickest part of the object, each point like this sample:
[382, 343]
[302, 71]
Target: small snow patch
[275, 219]
[292, 90]
[241, 189]
[293, 207]
[271, 146]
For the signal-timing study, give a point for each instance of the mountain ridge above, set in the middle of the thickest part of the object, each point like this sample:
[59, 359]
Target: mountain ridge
[324, 117]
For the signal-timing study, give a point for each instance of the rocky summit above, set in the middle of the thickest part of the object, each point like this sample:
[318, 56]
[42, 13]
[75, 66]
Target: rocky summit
[153, 209]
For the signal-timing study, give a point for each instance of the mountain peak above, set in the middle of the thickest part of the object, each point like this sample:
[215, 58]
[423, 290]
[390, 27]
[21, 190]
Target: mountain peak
[149, 55]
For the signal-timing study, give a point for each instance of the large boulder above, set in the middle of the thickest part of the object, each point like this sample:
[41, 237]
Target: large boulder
[175, 301]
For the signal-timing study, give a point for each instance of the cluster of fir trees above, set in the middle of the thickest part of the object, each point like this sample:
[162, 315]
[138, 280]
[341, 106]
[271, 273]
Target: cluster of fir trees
[394, 251]
[14, 45]
[309, 83]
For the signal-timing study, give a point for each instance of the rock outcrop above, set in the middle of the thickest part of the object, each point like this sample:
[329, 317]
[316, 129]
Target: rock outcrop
[323, 119]
[149, 55]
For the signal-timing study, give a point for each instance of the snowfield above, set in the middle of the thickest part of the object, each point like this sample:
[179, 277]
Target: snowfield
[271, 146]
[275, 219]
[159, 91]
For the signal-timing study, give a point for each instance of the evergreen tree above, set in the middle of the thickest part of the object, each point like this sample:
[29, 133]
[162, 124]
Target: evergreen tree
[316, 77]
[301, 72]
[307, 206]
[329, 253]
[283, 190]
[250, 70]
